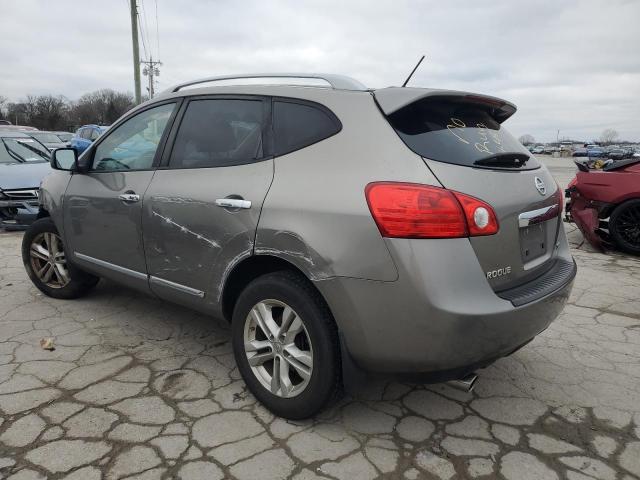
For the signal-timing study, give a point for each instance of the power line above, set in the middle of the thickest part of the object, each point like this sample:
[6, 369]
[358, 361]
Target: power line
[146, 25]
[157, 29]
[150, 67]
[142, 34]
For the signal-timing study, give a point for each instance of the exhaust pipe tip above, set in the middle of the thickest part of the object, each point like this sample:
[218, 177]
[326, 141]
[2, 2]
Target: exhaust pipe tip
[466, 384]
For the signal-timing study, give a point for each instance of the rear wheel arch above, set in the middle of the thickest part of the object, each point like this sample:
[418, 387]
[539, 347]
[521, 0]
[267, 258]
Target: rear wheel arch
[251, 268]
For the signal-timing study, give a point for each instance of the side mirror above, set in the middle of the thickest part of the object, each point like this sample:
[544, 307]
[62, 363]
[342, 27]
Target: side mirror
[64, 159]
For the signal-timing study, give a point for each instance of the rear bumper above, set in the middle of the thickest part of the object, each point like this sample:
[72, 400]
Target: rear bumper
[440, 315]
[18, 213]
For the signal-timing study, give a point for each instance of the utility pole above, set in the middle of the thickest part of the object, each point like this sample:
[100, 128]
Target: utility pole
[151, 70]
[136, 53]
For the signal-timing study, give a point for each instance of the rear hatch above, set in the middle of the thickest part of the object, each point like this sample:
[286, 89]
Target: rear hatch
[462, 141]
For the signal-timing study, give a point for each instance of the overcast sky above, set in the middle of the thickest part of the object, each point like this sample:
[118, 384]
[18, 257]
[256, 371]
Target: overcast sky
[572, 65]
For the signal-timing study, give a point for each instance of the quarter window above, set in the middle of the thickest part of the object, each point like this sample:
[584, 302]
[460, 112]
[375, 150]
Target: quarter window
[298, 125]
[132, 145]
[219, 133]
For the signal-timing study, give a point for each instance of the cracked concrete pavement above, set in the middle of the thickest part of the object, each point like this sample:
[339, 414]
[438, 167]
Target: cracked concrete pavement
[139, 388]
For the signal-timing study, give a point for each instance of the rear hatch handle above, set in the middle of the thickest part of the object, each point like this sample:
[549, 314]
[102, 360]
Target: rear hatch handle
[539, 215]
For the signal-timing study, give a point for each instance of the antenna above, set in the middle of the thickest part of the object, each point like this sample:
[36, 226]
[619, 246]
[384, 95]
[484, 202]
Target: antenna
[413, 71]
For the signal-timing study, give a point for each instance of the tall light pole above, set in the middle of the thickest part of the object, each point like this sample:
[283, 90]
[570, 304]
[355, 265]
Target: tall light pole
[136, 53]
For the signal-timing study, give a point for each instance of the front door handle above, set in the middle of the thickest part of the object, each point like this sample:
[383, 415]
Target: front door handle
[129, 197]
[234, 203]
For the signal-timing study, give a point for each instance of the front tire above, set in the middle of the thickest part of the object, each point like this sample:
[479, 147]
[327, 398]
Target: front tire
[45, 260]
[624, 226]
[286, 346]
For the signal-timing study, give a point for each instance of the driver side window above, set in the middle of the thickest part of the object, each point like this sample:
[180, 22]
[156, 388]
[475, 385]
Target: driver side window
[132, 145]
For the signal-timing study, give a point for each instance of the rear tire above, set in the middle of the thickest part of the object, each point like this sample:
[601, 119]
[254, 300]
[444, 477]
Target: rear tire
[45, 260]
[624, 226]
[283, 325]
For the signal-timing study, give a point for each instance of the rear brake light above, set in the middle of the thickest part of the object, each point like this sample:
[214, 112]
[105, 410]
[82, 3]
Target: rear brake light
[559, 198]
[409, 210]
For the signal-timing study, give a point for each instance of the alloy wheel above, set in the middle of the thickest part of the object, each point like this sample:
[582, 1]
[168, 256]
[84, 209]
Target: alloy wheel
[48, 260]
[278, 348]
[628, 225]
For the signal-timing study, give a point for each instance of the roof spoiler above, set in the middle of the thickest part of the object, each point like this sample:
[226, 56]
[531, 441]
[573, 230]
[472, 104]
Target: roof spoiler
[392, 99]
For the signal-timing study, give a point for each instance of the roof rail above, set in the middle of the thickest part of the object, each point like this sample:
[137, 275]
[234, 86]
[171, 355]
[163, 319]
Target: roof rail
[337, 82]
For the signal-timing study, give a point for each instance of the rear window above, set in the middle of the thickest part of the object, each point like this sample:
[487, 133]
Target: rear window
[45, 137]
[455, 131]
[298, 125]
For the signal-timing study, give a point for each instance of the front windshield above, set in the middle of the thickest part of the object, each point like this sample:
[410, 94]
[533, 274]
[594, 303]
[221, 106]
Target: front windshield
[45, 137]
[22, 150]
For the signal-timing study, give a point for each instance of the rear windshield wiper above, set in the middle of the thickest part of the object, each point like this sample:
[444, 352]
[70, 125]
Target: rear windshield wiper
[503, 160]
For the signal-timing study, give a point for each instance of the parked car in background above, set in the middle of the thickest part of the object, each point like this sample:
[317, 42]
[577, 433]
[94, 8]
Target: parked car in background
[595, 151]
[426, 255]
[538, 150]
[85, 136]
[17, 128]
[5, 122]
[605, 204]
[24, 162]
[618, 154]
[48, 139]
[64, 137]
[580, 152]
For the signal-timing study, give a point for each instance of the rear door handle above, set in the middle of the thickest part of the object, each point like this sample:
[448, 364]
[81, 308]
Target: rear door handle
[233, 203]
[129, 197]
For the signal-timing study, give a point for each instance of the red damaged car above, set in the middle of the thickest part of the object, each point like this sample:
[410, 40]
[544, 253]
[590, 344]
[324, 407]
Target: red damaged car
[605, 204]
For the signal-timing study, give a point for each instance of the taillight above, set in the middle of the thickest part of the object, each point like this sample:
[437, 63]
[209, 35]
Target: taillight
[409, 210]
[481, 218]
[560, 198]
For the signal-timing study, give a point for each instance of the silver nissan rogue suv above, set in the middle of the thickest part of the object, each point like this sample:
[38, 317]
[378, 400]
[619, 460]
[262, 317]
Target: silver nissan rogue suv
[397, 230]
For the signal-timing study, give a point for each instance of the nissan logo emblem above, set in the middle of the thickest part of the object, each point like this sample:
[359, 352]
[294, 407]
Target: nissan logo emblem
[542, 189]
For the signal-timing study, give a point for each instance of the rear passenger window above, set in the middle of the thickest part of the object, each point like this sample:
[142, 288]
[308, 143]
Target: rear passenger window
[298, 125]
[219, 133]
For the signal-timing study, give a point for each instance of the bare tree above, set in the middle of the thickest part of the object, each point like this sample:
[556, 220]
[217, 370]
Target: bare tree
[608, 136]
[16, 113]
[57, 112]
[50, 112]
[3, 107]
[101, 107]
[527, 139]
